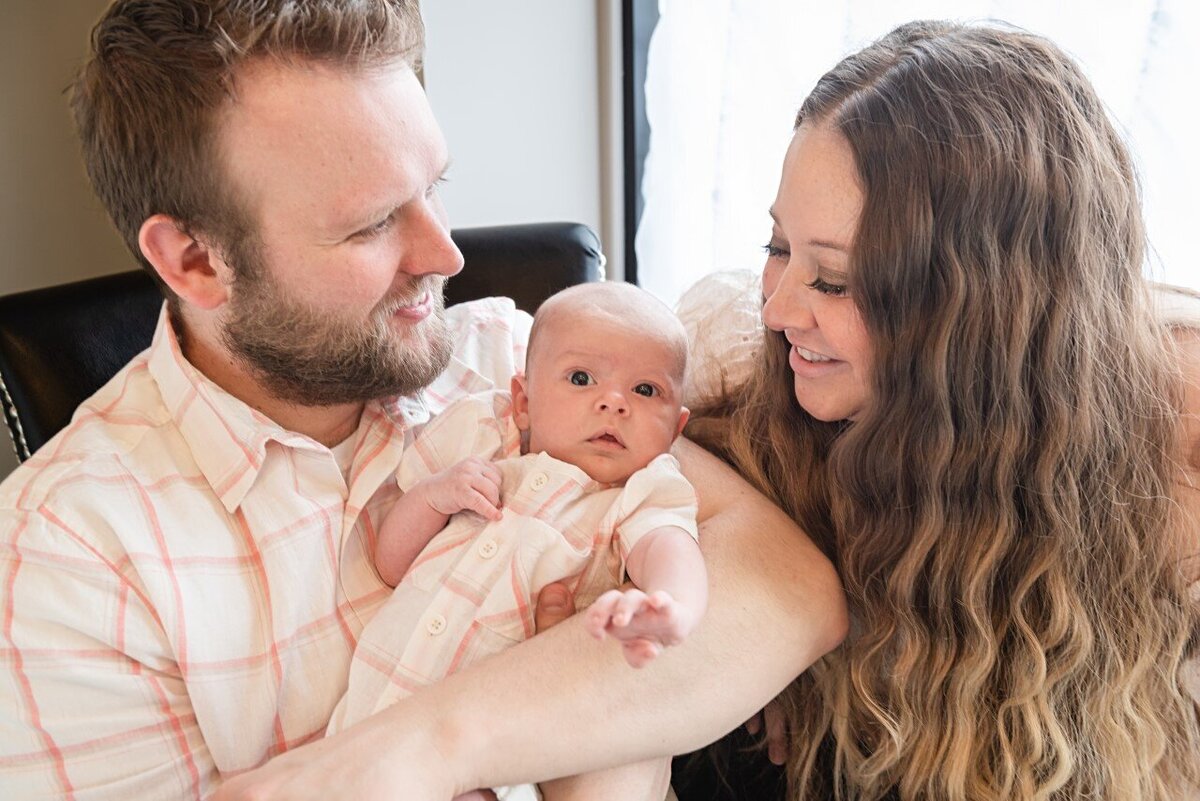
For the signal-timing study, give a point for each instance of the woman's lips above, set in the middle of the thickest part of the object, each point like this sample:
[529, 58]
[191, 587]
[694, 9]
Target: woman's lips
[811, 364]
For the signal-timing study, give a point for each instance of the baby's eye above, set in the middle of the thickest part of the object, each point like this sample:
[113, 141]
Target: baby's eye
[580, 378]
[646, 389]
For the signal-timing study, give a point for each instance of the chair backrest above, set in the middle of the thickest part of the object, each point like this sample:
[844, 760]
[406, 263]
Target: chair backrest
[60, 344]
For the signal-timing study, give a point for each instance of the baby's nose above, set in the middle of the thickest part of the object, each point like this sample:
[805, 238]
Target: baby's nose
[613, 402]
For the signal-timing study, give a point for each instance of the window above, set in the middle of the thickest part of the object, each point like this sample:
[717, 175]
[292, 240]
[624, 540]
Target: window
[724, 79]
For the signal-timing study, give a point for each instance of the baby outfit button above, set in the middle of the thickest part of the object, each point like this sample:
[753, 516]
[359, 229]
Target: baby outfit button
[436, 625]
[538, 481]
[488, 549]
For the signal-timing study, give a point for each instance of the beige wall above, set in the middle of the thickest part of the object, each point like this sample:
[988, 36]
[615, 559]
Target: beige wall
[51, 227]
[524, 136]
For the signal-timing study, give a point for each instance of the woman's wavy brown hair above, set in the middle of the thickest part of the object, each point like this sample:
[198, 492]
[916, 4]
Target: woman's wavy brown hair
[1004, 514]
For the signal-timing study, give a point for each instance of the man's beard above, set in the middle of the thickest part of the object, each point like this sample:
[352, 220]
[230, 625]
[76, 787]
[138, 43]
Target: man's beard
[313, 358]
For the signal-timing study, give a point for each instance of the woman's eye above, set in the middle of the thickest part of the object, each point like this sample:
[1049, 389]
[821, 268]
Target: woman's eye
[646, 389]
[580, 378]
[826, 288]
[775, 252]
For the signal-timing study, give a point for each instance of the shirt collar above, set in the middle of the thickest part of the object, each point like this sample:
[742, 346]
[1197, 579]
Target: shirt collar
[228, 439]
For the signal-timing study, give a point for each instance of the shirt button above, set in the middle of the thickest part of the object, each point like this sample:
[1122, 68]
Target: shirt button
[538, 481]
[436, 625]
[488, 549]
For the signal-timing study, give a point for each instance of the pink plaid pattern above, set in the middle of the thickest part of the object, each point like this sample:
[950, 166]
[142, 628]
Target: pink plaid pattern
[184, 581]
[470, 593]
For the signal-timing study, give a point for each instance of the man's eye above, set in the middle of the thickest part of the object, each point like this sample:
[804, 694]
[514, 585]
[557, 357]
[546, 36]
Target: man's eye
[646, 389]
[580, 378]
[375, 230]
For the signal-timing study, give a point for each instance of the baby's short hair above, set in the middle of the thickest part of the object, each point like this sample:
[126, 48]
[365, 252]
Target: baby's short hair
[633, 306]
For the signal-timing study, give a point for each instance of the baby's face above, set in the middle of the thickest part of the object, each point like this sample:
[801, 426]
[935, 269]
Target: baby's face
[600, 396]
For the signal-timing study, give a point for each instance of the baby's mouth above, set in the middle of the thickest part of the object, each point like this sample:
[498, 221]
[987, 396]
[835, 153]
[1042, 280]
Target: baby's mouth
[608, 438]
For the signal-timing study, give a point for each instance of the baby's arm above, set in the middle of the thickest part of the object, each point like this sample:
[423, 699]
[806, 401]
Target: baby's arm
[471, 485]
[668, 600]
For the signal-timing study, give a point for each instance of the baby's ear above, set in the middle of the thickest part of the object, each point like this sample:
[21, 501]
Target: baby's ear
[520, 402]
[684, 414]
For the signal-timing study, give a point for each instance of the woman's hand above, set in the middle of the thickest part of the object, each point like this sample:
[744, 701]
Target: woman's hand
[779, 740]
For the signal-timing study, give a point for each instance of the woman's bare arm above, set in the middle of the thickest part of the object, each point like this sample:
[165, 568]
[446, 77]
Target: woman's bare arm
[561, 703]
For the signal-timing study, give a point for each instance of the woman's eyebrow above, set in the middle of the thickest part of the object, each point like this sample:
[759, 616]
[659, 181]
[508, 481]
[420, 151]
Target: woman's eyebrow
[817, 243]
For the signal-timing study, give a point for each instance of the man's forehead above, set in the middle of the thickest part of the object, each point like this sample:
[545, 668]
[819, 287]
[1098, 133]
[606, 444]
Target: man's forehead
[336, 144]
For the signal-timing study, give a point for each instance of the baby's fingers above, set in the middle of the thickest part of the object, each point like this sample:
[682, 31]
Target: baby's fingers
[475, 501]
[641, 652]
[490, 492]
[599, 614]
[630, 603]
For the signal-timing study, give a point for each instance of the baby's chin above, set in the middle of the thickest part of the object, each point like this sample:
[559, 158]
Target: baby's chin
[614, 474]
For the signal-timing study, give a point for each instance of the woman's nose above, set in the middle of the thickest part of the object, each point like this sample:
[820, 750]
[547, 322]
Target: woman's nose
[789, 306]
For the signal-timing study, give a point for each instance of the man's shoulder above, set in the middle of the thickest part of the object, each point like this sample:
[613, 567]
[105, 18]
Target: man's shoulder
[103, 442]
[489, 337]
[496, 318]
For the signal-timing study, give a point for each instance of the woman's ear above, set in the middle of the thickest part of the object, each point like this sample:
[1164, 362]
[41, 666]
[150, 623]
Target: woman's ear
[520, 402]
[193, 270]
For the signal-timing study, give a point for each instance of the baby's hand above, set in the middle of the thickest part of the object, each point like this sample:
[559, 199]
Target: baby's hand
[472, 485]
[644, 624]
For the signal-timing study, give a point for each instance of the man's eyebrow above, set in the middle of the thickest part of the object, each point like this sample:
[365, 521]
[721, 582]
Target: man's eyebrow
[377, 214]
[816, 243]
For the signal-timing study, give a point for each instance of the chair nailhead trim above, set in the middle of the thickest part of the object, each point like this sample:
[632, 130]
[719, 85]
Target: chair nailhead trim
[15, 432]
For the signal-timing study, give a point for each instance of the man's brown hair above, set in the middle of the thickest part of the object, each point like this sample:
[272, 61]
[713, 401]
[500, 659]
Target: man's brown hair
[147, 100]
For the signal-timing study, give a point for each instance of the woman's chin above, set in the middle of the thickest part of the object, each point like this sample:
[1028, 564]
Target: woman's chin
[824, 408]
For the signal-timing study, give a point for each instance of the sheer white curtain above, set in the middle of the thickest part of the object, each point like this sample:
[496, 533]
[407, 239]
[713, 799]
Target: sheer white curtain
[725, 77]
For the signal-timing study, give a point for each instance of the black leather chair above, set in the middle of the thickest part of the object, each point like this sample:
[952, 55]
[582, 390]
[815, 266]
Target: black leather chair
[61, 344]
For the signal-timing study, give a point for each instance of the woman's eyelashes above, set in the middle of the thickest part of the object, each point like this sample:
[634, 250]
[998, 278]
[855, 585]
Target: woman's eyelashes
[826, 288]
[775, 251]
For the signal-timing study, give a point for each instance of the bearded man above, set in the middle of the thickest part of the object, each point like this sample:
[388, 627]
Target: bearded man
[187, 566]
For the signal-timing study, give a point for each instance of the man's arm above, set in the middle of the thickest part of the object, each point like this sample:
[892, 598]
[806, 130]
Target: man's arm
[557, 705]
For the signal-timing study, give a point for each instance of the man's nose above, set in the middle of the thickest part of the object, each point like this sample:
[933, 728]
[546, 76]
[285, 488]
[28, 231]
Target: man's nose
[427, 246]
[612, 402]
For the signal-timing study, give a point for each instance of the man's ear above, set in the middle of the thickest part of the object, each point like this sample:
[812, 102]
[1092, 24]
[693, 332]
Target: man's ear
[684, 414]
[520, 402]
[193, 270]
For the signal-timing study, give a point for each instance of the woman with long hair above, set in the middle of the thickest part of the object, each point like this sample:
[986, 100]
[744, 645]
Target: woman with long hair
[965, 397]
[966, 394]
